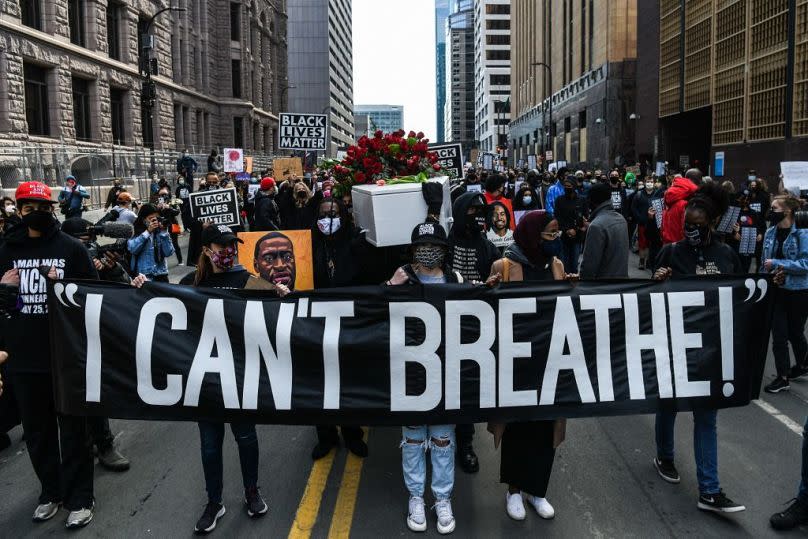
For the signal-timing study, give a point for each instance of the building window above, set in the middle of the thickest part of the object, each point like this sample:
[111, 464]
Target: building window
[235, 21]
[236, 76]
[497, 55]
[75, 18]
[238, 132]
[498, 9]
[31, 13]
[117, 99]
[582, 119]
[500, 80]
[113, 30]
[36, 100]
[498, 24]
[143, 59]
[81, 108]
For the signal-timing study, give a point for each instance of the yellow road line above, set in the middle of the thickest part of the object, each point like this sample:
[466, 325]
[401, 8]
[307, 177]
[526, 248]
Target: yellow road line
[342, 518]
[309, 506]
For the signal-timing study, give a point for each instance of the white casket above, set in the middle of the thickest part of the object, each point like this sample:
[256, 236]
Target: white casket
[389, 213]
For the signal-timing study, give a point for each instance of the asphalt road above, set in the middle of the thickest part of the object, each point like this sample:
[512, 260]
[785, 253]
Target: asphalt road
[603, 483]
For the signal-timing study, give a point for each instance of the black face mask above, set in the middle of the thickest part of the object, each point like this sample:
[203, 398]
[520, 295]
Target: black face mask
[475, 223]
[39, 220]
[775, 217]
[697, 236]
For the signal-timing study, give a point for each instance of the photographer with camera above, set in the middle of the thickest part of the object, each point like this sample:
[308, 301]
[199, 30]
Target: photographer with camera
[169, 210]
[151, 245]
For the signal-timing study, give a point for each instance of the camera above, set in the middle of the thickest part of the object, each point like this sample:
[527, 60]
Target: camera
[110, 217]
[119, 246]
[164, 222]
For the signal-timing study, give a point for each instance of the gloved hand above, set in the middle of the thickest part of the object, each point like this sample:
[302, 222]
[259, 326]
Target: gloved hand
[433, 196]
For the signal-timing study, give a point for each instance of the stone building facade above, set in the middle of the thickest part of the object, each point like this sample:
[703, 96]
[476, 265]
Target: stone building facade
[71, 83]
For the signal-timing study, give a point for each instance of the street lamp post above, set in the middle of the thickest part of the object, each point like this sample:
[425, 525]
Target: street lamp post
[550, 78]
[149, 91]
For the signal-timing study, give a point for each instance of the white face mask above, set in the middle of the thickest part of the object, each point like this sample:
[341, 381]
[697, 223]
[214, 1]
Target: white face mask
[10, 209]
[649, 186]
[329, 225]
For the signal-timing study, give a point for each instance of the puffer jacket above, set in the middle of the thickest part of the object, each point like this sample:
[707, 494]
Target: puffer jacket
[795, 251]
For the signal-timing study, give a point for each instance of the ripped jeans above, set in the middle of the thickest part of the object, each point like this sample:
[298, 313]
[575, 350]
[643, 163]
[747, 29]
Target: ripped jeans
[211, 437]
[440, 440]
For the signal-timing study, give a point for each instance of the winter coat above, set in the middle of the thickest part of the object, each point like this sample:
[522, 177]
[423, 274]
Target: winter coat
[673, 218]
[606, 248]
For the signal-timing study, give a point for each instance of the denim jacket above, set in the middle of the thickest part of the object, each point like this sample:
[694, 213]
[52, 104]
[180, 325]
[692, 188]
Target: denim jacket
[795, 252]
[142, 249]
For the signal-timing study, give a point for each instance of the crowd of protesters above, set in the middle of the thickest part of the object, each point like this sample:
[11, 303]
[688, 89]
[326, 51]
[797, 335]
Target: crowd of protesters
[508, 226]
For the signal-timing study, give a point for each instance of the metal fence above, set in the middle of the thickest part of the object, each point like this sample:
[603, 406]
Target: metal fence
[95, 168]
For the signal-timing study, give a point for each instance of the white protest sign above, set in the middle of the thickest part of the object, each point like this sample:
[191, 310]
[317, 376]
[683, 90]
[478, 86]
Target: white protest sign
[233, 160]
[795, 175]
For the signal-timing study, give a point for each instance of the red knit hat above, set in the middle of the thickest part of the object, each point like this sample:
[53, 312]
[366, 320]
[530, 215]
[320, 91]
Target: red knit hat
[34, 191]
[267, 183]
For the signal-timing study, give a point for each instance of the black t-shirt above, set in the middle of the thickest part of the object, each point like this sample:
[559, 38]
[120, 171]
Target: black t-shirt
[781, 234]
[714, 259]
[236, 278]
[27, 333]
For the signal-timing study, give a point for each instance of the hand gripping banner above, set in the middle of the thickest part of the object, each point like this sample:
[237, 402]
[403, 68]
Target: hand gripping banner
[409, 354]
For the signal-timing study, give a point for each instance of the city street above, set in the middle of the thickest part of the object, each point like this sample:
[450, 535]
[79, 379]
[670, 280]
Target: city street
[603, 483]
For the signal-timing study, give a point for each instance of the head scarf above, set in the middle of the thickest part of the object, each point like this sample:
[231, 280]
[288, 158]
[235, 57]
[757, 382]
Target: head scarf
[528, 236]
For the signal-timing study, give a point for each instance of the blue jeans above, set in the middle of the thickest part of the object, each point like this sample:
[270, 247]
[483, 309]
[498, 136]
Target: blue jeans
[570, 254]
[413, 459]
[212, 436]
[705, 445]
[803, 494]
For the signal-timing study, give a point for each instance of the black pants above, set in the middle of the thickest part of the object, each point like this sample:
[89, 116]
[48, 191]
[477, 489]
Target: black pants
[464, 434]
[788, 326]
[9, 414]
[187, 220]
[527, 456]
[67, 478]
[328, 433]
[100, 432]
[177, 250]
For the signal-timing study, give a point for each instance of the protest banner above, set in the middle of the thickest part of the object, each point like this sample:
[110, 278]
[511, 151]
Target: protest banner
[260, 252]
[302, 131]
[795, 175]
[450, 158]
[408, 355]
[285, 167]
[233, 160]
[219, 207]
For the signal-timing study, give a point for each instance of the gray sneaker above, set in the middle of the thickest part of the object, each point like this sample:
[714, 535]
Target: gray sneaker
[446, 520]
[46, 511]
[112, 460]
[79, 518]
[416, 514]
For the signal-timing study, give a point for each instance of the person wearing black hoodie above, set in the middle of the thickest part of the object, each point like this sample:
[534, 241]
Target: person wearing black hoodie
[265, 216]
[569, 212]
[471, 254]
[337, 252]
[58, 445]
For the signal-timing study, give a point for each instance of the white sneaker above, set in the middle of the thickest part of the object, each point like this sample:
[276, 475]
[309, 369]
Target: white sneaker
[46, 511]
[446, 520]
[416, 516]
[541, 505]
[515, 506]
[80, 518]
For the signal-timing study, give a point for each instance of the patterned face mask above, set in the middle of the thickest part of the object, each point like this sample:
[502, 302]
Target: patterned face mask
[224, 259]
[429, 256]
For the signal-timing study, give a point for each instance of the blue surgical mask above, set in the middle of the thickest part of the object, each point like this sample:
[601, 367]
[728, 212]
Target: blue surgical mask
[527, 201]
[551, 248]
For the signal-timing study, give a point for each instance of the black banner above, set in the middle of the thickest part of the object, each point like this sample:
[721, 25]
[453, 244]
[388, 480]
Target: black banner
[219, 206]
[408, 354]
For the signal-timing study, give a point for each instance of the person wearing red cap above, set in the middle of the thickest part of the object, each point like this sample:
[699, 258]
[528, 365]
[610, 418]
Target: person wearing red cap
[266, 210]
[59, 446]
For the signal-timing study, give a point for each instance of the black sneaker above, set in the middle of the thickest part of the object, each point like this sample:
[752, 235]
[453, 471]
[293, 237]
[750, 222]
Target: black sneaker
[797, 371]
[795, 515]
[778, 385]
[357, 446]
[667, 470]
[323, 448]
[256, 506]
[719, 503]
[468, 458]
[207, 522]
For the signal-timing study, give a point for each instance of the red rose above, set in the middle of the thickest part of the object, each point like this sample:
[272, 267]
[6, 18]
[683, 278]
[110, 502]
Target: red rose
[360, 177]
[378, 134]
[420, 135]
[436, 167]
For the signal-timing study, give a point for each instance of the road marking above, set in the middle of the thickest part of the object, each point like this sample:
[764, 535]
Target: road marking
[342, 518]
[792, 425]
[309, 506]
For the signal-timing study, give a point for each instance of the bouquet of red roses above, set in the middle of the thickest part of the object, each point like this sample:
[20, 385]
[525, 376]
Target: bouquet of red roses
[391, 158]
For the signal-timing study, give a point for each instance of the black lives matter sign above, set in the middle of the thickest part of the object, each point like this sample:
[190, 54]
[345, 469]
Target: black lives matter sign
[450, 158]
[218, 207]
[303, 131]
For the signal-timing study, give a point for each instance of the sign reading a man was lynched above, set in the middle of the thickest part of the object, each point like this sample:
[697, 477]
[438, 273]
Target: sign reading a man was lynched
[303, 131]
[219, 207]
[400, 355]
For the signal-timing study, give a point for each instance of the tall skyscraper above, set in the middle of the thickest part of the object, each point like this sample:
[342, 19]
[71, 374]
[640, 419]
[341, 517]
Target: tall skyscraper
[441, 14]
[388, 118]
[321, 64]
[459, 108]
[492, 73]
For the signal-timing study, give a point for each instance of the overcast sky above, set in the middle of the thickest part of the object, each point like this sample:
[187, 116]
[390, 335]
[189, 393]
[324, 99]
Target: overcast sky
[394, 58]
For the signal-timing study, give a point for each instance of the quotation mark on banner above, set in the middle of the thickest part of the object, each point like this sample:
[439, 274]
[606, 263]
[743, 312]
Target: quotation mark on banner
[68, 291]
[752, 286]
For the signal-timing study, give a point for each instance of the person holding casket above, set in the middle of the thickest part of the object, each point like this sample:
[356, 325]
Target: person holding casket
[528, 447]
[700, 253]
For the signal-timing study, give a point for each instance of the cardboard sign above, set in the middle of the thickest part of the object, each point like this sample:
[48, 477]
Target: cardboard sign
[219, 206]
[795, 175]
[450, 158]
[233, 160]
[303, 131]
[293, 247]
[248, 164]
[285, 167]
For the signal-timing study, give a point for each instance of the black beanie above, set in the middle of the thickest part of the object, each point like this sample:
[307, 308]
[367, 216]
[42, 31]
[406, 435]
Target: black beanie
[599, 194]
